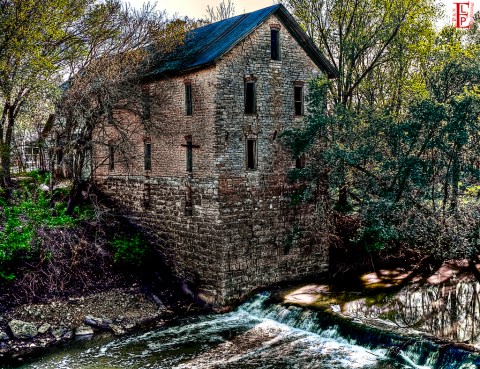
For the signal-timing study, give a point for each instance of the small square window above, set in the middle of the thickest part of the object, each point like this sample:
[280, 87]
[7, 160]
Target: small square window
[251, 151]
[300, 162]
[250, 98]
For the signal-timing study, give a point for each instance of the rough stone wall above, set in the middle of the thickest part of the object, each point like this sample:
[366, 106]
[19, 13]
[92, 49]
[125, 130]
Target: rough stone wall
[267, 238]
[158, 200]
[190, 244]
[166, 130]
[244, 231]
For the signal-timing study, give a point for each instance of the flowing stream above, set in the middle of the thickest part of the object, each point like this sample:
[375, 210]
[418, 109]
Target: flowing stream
[262, 333]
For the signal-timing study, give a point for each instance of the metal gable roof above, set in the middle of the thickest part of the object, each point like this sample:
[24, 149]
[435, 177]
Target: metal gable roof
[205, 45]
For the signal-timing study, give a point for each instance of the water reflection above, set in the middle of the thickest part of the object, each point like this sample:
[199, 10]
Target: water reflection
[445, 310]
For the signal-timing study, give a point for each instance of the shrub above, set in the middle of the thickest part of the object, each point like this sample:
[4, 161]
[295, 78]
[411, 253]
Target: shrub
[440, 234]
[131, 251]
[23, 216]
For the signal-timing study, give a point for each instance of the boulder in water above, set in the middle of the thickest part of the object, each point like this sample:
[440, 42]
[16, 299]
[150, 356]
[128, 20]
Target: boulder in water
[83, 330]
[61, 332]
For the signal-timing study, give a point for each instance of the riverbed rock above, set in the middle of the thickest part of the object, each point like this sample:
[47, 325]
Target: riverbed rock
[69, 335]
[22, 330]
[60, 332]
[83, 330]
[97, 322]
[117, 330]
[44, 328]
[4, 336]
[130, 326]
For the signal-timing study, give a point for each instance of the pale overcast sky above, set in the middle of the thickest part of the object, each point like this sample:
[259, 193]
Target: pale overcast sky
[196, 8]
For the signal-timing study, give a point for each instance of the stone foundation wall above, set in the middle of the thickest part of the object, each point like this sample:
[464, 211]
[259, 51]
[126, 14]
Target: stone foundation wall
[190, 244]
[244, 232]
[267, 237]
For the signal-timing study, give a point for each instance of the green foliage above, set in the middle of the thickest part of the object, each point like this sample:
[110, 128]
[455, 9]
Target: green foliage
[412, 175]
[378, 232]
[22, 217]
[131, 251]
[376, 45]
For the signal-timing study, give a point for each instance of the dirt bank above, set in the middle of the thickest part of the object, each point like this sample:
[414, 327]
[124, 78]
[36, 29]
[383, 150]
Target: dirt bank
[28, 329]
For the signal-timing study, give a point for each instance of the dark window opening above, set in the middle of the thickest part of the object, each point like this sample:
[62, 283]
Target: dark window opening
[59, 156]
[251, 153]
[188, 99]
[250, 98]
[300, 162]
[111, 158]
[188, 199]
[147, 195]
[148, 156]
[298, 97]
[275, 44]
[189, 155]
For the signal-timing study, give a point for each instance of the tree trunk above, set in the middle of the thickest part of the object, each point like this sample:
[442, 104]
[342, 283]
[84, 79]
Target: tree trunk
[5, 152]
[455, 180]
[73, 198]
[75, 192]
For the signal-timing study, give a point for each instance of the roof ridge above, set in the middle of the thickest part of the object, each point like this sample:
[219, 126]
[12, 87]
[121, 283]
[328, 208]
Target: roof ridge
[240, 15]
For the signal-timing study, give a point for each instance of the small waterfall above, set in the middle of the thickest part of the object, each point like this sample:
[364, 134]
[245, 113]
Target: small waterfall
[264, 334]
[414, 351]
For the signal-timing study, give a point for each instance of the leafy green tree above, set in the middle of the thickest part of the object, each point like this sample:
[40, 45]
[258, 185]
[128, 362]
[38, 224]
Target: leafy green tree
[37, 38]
[361, 37]
[414, 177]
[377, 47]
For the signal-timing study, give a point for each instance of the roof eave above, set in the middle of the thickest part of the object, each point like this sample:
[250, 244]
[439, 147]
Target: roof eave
[169, 73]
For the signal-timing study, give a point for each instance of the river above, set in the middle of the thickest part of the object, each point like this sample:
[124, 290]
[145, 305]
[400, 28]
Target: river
[263, 333]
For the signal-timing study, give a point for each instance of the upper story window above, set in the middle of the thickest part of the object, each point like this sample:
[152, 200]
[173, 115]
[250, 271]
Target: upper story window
[147, 149]
[188, 98]
[111, 158]
[275, 42]
[250, 95]
[298, 98]
[300, 162]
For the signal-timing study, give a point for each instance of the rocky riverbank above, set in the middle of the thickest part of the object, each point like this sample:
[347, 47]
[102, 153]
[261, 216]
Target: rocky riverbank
[31, 328]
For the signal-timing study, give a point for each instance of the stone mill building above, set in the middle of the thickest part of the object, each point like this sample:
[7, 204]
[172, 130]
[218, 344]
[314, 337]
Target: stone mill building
[211, 183]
